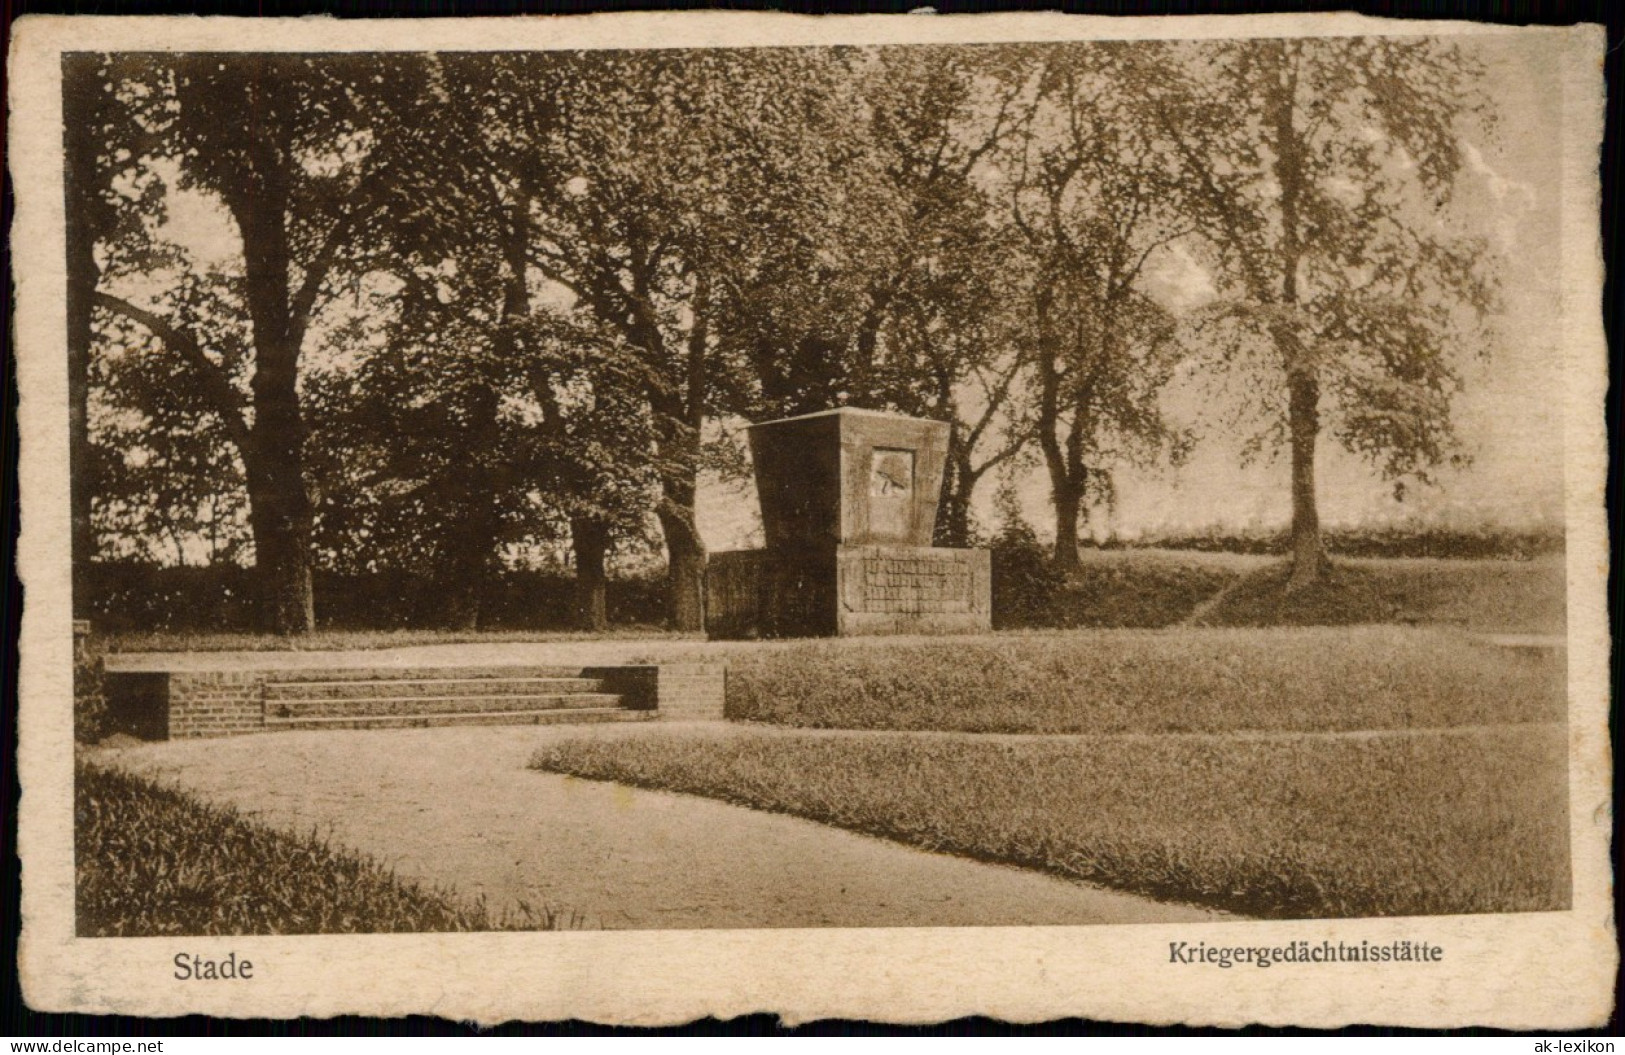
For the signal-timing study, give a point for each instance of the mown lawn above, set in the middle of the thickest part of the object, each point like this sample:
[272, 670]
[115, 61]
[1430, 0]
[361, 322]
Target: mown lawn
[1146, 588]
[1485, 595]
[1466, 821]
[1312, 679]
[151, 861]
[1162, 587]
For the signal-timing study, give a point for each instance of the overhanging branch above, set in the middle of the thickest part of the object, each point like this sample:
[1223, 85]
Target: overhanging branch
[217, 387]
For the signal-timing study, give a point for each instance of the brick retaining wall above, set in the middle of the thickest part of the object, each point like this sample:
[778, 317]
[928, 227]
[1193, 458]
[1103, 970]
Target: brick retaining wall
[216, 703]
[692, 691]
[190, 704]
[679, 691]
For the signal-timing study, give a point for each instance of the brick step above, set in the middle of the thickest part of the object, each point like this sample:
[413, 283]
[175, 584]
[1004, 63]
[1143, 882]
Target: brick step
[378, 688]
[401, 721]
[411, 705]
[463, 673]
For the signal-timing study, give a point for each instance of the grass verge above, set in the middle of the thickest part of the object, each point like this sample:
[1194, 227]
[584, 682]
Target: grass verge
[1467, 821]
[1507, 596]
[1144, 588]
[1150, 682]
[151, 861]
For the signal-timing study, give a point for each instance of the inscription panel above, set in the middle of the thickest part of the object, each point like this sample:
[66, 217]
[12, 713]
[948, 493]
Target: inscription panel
[916, 584]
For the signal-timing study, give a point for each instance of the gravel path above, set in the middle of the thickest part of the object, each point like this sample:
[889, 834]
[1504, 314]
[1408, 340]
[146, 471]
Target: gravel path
[457, 807]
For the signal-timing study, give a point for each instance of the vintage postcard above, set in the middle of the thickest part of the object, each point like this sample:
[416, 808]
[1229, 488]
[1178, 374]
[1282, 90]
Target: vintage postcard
[894, 518]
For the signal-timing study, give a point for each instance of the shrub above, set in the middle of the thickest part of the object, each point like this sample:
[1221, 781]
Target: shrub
[1026, 582]
[131, 596]
[90, 714]
[1390, 540]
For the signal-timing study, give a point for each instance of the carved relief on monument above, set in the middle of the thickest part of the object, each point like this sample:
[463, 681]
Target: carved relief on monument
[891, 491]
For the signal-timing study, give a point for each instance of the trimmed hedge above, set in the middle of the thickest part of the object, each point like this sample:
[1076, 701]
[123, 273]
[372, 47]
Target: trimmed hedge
[1395, 541]
[127, 596]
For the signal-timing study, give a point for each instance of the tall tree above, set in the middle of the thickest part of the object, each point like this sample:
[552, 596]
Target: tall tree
[672, 164]
[300, 151]
[169, 487]
[1324, 168]
[414, 461]
[110, 198]
[593, 441]
[507, 155]
[1094, 194]
[465, 432]
[893, 292]
[941, 336]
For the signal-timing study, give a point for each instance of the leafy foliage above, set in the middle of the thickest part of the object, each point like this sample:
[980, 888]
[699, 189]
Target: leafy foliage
[479, 304]
[126, 597]
[1343, 275]
[1026, 581]
[170, 481]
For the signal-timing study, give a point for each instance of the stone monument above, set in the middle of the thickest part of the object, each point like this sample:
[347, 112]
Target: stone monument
[849, 502]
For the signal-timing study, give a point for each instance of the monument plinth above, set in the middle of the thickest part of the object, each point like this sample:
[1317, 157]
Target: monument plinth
[849, 503]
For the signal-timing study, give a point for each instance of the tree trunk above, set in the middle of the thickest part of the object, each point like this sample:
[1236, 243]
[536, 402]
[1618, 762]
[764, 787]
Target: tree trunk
[281, 513]
[478, 525]
[1068, 499]
[1068, 479]
[958, 483]
[1066, 473]
[1308, 553]
[685, 553]
[281, 518]
[82, 278]
[81, 179]
[679, 484]
[1303, 387]
[590, 540]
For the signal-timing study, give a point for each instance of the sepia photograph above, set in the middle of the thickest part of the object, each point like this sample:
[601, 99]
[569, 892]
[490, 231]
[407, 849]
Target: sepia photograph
[1100, 488]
